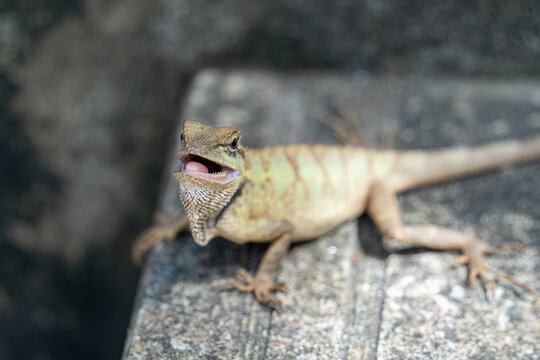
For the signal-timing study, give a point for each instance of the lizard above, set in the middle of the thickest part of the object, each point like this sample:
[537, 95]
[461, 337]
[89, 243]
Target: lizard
[292, 193]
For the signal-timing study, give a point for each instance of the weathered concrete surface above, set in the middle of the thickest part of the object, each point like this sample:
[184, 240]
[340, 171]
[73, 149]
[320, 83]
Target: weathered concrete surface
[345, 299]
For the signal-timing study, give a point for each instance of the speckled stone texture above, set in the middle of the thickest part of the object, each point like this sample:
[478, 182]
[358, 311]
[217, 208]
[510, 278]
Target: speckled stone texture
[348, 298]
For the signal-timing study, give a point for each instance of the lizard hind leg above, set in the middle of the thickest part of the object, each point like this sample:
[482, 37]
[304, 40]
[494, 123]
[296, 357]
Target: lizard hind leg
[383, 209]
[344, 125]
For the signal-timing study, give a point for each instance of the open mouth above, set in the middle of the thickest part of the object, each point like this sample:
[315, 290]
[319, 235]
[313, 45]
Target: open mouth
[198, 166]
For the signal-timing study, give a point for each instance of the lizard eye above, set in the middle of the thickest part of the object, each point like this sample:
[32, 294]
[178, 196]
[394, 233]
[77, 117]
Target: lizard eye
[234, 143]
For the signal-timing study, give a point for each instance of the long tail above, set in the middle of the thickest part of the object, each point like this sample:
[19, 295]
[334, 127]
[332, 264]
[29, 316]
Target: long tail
[414, 168]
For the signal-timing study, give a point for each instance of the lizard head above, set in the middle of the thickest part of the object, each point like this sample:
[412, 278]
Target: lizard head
[210, 172]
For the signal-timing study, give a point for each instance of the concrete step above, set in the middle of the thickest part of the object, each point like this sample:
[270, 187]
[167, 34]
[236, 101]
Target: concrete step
[348, 298]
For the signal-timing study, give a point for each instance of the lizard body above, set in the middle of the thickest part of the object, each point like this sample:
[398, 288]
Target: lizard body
[293, 193]
[304, 185]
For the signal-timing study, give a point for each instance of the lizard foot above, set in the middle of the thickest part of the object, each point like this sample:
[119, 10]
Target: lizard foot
[473, 256]
[344, 124]
[261, 287]
[162, 230]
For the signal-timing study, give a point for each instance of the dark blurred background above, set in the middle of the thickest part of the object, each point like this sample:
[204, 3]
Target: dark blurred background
[90, 92]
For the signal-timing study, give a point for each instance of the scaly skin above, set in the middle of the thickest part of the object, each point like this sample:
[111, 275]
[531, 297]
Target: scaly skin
[298, 192]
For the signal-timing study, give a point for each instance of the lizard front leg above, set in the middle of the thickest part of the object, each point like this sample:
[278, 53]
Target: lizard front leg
[162, 230]
[263, 281]
[383, 209]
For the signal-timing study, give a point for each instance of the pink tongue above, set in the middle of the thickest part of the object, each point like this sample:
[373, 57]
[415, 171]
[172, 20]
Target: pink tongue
[194, 166]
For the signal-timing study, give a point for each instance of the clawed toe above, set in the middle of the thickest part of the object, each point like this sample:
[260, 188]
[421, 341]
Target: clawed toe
[461, 260]
[282, 286]
[475, 260]
[240, 287]
[480, 273]
[244, 275]
[260, 288]
[263, 297]
[510, 246]
[503, 275]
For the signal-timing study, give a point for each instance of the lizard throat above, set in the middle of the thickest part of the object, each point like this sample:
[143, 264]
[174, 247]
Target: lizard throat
[198, 166]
